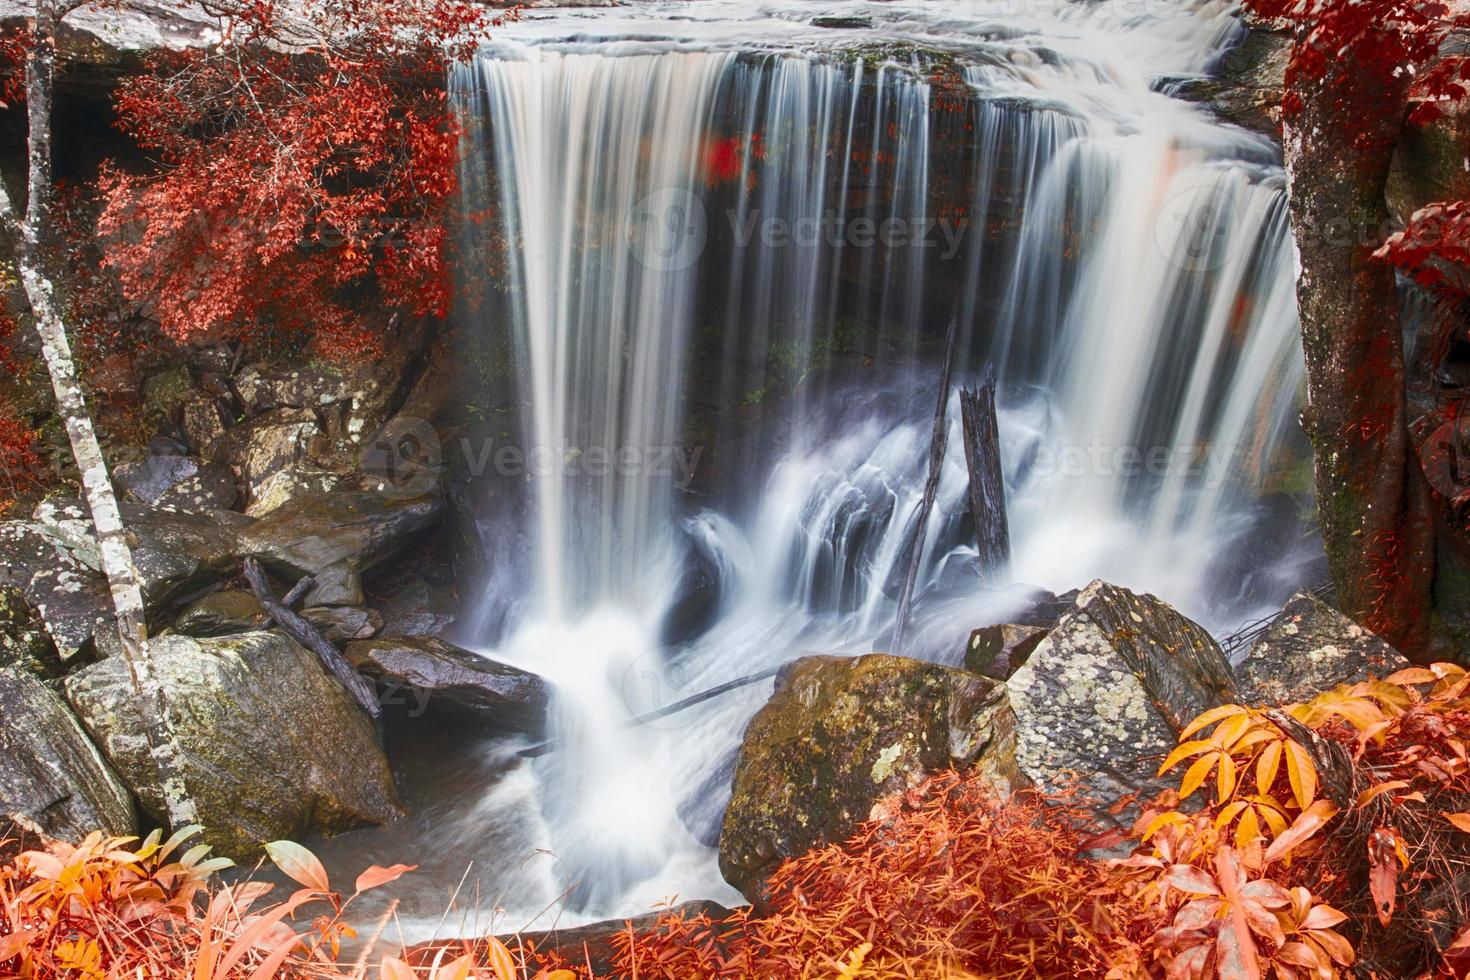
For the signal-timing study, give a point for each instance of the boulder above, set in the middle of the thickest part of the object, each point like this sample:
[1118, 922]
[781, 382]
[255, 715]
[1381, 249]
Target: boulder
[342, 623]
[838, 736]
[211, 489]
[999, 651]
[335, 537]
[174, 553]
[51, 776]
[424, 673]
[1104, 695]
[202, 424]
[270, 443]
[287, 484]
[1309, 648]
[420, 607]
[165, 467]
[221, 614]
[272, 746]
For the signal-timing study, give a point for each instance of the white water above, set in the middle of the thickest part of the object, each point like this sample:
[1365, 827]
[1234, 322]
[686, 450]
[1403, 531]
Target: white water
[1126, 269]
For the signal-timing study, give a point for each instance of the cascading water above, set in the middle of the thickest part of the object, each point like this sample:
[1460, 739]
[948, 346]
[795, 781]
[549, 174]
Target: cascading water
[730, 244]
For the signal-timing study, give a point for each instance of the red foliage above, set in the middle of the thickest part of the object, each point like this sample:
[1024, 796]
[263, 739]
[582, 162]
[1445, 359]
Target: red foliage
[304, 167]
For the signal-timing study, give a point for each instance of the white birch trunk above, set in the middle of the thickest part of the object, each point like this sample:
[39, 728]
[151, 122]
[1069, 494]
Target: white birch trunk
[112, 545]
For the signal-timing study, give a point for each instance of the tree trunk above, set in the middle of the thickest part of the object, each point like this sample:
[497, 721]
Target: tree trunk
[112, 545]
[1375, 508]
[981, 430]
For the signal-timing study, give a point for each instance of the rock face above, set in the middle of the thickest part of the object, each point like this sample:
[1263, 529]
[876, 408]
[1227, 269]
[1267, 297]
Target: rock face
[51, 776]
[839, 735]
[273, 747]
[1309, 648]
[335, 537]
[24, 642]
[428, 674]
[222, 613]
[71, 598]
[1105, 693]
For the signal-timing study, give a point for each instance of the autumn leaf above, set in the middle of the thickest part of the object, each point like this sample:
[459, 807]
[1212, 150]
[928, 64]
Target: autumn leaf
[298, 864]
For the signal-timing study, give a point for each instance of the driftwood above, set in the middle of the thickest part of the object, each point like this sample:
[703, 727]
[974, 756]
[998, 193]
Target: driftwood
[291, 598]
[310, 637]
[987, 482]
[931, 489]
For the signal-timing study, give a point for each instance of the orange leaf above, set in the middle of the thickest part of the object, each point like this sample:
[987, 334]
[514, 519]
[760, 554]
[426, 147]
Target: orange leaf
[1383, 872]
[1460, 820]
[501, 960]
[375, 877]
[1268, 764]
[299, 864]
[1304, 827]
[1302, 773]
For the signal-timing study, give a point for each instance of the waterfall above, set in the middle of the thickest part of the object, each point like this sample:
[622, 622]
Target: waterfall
[721, 248]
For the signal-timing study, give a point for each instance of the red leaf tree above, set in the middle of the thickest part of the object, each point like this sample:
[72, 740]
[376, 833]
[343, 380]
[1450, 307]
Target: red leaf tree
[1357, 71]
[303, 167]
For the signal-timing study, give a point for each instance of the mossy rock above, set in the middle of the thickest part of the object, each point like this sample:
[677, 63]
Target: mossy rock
[840, 735]
[272, 745]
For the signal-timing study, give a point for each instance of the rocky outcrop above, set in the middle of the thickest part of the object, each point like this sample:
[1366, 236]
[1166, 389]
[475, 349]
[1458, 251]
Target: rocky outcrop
[51, 776]
[1104, 695]
[426, 674]
[221, 614]
[272, 746]
[839, 735]
[1310, 648]
[335, 537]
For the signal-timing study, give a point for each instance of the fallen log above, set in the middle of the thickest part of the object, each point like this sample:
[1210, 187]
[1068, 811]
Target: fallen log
[931, 489]
[981, 430]
[308, 636]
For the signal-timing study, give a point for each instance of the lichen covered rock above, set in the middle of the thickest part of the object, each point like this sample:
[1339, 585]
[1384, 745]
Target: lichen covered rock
[272, 746]
[1103, 696]
[51, 775]
[1310, 648]
[839, 735]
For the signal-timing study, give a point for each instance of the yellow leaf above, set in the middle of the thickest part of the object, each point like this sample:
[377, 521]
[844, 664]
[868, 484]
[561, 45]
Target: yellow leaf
[1248, 830]
[1210, 717]
[1268, 764]
[501, 961]
[1302, 773]
[1196, 775]
[1225, 778]
[1184, 752]
[1368, 795]
[1230, 731]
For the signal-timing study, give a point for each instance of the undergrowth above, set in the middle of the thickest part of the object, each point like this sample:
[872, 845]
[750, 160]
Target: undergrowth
[1331, 840]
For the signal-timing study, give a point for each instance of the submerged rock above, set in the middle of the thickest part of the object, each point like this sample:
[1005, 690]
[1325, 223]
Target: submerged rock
[51, 776]
[428, 674]
[1309, 648]
[838, 736]
[272, 746]
[221, 614]
[1103, 696]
